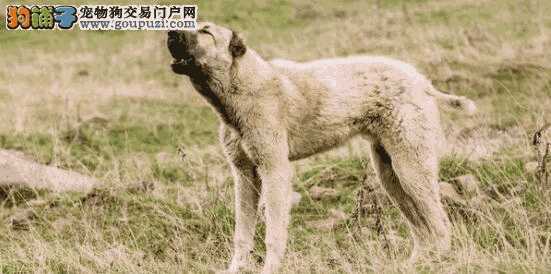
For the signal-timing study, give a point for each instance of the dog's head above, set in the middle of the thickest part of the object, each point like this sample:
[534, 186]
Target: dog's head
[208, 48]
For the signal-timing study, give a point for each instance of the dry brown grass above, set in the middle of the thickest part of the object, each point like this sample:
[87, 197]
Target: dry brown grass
[164, 214]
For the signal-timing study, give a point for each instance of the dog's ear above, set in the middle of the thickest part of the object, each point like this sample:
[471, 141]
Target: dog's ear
[237, 47]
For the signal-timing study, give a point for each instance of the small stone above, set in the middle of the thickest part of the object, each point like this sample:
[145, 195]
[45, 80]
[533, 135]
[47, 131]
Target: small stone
[61, 224]
[336, 216]
[21, 220]
[448, 192]
[295, 198]
[531, 167]
[141, 187]
[468, 185]
[83, 72]
[318, 193]
[163, 157]
[38, 203]
[96, 119]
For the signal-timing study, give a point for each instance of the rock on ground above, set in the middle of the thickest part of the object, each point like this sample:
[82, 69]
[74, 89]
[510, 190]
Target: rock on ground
[22, 219]
[448, 192]
[295, 198]
[336, 216]
[468, 185]
[318, 193]
[531, 167]
[17, 170]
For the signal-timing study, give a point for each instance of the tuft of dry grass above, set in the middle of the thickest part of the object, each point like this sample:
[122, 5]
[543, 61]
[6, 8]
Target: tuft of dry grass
[106, 104]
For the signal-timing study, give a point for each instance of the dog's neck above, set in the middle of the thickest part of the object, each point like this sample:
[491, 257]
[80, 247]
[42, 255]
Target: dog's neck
[251, 74]
[248, 77]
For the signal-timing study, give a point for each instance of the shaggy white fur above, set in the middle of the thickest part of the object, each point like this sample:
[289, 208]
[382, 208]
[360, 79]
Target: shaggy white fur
[279, 111]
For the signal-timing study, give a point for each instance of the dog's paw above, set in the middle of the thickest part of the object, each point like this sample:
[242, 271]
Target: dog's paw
[227, 271]
[295, 198]
[237, 266]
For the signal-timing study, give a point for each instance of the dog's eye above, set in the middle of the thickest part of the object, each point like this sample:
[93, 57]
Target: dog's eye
[204, 31]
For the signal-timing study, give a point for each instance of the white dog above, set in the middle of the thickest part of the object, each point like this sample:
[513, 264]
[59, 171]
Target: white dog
[279, 111]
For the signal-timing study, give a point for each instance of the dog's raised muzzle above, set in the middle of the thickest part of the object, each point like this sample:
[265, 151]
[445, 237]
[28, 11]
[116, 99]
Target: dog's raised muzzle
[177, 43]
[180, 44]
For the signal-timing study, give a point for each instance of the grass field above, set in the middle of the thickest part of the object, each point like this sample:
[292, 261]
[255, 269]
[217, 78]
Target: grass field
[160, 211]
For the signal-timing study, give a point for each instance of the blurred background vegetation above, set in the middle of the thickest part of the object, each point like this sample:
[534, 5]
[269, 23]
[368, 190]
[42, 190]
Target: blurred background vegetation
[105, 103]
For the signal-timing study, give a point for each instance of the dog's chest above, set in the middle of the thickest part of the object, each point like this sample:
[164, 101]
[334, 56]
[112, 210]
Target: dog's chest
[312, 138]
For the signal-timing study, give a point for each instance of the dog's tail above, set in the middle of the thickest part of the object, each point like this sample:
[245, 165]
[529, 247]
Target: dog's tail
[458, 102]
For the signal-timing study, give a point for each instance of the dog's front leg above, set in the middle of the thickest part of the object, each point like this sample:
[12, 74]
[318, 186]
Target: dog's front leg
[270, 151]
[247, 192]
[277, 193]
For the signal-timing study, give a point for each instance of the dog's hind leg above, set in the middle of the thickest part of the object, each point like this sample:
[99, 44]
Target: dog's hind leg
[410, 177]
[247, 192]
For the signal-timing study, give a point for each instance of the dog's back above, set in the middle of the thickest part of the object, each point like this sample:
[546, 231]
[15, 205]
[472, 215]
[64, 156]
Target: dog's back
[336, 93]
